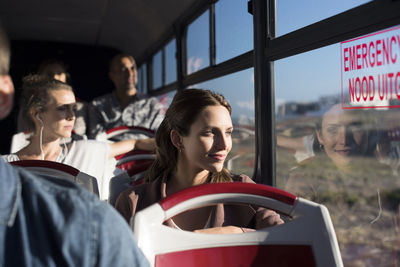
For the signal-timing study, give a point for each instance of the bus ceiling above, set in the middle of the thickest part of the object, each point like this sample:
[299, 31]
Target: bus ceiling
[131, 26]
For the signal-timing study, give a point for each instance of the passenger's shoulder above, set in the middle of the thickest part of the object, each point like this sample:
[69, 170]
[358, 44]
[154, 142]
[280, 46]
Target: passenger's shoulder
[143, 189]
[147, 99]
[100, 100]
[89, 144]
[242, 178]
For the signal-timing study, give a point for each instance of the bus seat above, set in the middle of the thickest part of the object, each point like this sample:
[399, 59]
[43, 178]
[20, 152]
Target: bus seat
[110, 134]
[134, 176]
[308, 239]
[60, 170]
[129, 160]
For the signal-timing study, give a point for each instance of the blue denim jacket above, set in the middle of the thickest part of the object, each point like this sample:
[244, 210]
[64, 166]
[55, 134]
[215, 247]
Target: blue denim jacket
[52, 222]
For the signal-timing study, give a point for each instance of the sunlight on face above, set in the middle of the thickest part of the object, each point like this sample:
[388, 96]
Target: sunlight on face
[209, 140]
[59, 117]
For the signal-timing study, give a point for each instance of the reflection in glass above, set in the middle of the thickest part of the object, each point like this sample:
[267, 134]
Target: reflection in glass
[238, 89]
[234, 29]
[198, 44]
[345, 159]
[157, 70]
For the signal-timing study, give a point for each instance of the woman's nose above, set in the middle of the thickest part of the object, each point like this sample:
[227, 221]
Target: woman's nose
[222, 142]
[345, 136]
[70, 114]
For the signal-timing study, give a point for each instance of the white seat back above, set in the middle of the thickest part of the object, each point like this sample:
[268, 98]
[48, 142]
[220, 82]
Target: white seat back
[307, 239]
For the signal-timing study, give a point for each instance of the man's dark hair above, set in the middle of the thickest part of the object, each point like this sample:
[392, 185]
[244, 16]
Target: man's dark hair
[4, 52]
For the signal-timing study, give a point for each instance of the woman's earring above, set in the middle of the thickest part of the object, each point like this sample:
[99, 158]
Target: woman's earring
[321, 147]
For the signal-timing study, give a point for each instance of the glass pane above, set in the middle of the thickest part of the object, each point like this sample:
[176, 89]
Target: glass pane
[344, 157]
[292, 15]
[166, 99]
[142, 79]
[238, 89]
[198, 44]
[234, 29]
[157, 70]
[170, 64]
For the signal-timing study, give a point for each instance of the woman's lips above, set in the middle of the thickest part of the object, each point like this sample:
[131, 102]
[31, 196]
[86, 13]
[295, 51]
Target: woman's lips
[218, 157]
[343, 152]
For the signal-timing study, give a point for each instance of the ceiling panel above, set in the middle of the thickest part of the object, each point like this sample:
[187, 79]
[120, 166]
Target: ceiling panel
[131, 26]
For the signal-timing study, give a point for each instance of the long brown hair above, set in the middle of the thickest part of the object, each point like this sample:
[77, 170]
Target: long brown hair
[180, 116]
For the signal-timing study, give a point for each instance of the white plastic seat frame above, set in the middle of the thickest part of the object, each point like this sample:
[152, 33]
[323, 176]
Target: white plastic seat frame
[310, 224]
[136, 157]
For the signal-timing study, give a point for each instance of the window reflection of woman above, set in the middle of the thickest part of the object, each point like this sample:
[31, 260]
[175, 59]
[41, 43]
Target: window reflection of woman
[343, 136]
[346, 177]
[192, 144]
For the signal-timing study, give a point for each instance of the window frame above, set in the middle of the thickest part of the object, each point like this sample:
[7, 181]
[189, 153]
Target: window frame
[361, 20]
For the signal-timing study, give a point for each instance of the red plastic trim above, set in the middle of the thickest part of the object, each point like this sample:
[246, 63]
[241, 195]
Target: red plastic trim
[220, 188]
[132, 128]
[47, 164]
[133, 152]
[244, 256]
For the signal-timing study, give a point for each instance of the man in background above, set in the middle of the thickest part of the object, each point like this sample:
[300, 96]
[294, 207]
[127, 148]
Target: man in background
[124, 107]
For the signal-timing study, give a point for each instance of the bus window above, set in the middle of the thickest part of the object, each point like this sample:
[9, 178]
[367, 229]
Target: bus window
[234, 29]
[338, 141]
[293, 15]
[157, 70]
[166, 99]
[142, 79]
[238, 90]
[198, 44]
[170, 62]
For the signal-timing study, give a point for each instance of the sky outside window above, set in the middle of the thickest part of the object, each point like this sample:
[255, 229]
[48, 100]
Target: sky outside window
[234, 29]
[198, 44]
[293, 14]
